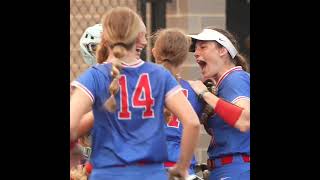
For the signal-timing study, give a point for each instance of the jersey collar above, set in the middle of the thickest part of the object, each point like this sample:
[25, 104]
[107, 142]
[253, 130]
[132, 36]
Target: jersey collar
[237, 68]
[132, 65]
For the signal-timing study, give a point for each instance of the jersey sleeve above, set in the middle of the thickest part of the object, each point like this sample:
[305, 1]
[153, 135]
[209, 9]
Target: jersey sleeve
[87, 82]
[237, 88]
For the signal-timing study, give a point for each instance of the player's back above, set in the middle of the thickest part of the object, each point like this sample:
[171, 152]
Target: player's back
[174, 127]
[134, 132]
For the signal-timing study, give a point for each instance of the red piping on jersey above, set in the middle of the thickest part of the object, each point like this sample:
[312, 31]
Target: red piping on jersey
[238, 98]
[237, 68]
[84, 89]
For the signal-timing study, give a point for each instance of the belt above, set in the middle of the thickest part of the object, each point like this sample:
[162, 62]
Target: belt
[169, 164]
[228, 159]
[139, 163]
[88, 168]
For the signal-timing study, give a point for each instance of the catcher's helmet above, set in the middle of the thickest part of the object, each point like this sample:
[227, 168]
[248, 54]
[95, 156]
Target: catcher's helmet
[88, 43]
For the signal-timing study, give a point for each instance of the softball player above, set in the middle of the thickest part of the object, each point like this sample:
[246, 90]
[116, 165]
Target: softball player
[128, 138]
[177, 43]
[89, 42]
[88, 45]
[229, 151]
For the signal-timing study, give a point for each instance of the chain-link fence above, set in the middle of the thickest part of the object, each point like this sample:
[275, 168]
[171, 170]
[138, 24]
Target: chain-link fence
[85, 13]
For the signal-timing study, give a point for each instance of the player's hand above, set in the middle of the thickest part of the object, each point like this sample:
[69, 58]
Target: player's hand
[176, 173]
[75, 155]
[197, 86]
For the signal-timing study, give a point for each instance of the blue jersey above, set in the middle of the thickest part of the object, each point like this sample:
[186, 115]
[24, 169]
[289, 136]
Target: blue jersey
[135, 131]
[232, 86]
[174, 127]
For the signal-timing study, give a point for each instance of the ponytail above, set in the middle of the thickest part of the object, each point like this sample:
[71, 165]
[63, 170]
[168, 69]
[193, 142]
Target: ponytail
[102, 51]
[111, 102]
[240, 60]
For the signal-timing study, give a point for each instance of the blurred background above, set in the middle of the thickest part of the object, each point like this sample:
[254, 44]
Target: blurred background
[189, 15]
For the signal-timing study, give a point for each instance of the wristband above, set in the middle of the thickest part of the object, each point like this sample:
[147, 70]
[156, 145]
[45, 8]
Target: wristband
[200, 95]
[229, 112]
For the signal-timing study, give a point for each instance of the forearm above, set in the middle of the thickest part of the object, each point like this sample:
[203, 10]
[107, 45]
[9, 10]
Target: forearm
[80, 104]
[75, 118]
[210, 99]
[243, 124]
[178, 104]
[236, 115]
[189, 142]
[86, 124]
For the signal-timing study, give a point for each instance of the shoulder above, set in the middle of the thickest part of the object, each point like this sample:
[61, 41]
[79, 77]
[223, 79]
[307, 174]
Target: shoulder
[156, 68]
[238, 78]
[101, 69]
[185, 85]
[196, 103]
[236, 85]
[239, 75]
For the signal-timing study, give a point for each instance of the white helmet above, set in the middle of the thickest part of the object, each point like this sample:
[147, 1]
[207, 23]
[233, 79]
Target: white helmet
[88, 43]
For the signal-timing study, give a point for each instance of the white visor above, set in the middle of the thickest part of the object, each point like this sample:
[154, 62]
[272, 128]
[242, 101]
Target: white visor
[212, 35]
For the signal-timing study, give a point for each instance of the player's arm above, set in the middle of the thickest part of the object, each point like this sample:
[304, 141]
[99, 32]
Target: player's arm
[207, 128]
[178, 104]
[243, 124]
[86, 124]
[236, 115]
[80, 104]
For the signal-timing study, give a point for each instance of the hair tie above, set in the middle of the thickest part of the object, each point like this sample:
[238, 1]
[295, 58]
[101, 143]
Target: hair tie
[119, 44]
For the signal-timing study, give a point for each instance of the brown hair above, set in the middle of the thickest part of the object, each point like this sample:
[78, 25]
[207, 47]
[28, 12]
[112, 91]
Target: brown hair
[171, 46]
[239, 59]
[121, 26]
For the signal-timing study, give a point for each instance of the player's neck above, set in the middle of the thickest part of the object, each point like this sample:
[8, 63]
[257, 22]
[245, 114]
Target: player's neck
[130, 58]
[223, 71]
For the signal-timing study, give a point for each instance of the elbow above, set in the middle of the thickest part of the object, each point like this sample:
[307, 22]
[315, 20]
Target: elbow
[195, 124]
[73, 133]
[243, 123]
[244, 126]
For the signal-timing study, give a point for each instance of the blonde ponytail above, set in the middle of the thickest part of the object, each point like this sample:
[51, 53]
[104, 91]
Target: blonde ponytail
[121, 26]
[102, 51]
[111, 102]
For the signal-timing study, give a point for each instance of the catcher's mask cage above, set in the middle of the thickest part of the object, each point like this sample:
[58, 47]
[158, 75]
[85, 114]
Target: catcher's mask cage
[86, 151]
[89, 42]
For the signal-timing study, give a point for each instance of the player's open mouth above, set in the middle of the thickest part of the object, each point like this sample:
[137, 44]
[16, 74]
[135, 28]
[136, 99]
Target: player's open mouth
[201, 63]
